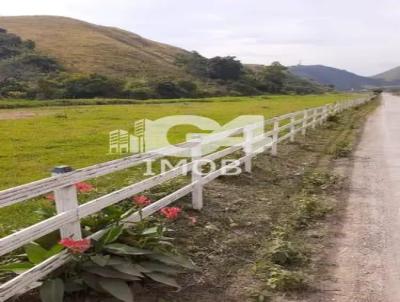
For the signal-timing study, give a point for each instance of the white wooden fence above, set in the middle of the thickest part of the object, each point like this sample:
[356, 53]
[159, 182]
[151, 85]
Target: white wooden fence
[69, 212]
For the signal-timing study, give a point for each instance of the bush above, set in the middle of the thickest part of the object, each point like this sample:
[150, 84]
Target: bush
[90, 86]
[181, 89]
[286, 253]
[188, 88]
[283, 280]
[168, 89]
[241, 88]
[225, 68]
[141, 93]
[343, 149]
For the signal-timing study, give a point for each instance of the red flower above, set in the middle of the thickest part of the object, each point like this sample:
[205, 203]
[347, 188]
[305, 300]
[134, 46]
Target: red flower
[76, 246]
[141, 200]
[171, 213]
[50, 197]
[84, 187]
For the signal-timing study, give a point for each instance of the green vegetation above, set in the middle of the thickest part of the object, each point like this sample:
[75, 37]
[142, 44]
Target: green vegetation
[87, 48]
[85, 61]
[119, 258]
[232, 77]
[287, 262]
[78, 136]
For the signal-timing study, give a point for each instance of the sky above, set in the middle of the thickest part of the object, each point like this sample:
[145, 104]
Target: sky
[360, 36]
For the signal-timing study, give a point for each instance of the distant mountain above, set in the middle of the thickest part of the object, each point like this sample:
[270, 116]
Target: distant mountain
[84, 47]
[341, 79]
[392, 75]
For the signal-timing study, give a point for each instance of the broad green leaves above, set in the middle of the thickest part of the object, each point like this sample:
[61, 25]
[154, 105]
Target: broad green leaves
[117, 289]
[37, 254]
[52, 290]
[167, 280]
[123, 249]
[17, 268]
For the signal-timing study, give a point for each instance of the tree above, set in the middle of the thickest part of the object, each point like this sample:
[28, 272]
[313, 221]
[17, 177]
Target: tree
[225, 68]
[93, 85]
[194, 63]
[273, 77]
[168, 89]
[188, 88]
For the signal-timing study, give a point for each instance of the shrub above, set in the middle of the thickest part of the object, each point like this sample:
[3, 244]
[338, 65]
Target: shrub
[108, 264]
[141, 93]
[168, 89]
[286, 253]
[224, 68]
[188, 88]
[343, 149]
[308, 209]
[90, 86]
[285, 280]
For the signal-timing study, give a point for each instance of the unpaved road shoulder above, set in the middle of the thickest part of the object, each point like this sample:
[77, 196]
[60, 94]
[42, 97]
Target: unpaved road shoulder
[369, 245]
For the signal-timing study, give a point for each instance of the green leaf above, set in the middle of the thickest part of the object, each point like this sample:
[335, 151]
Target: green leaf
[111, 235]
[101, 260]
[17, 268]
[52, 290]
[110, 273]
[123, 249]
[54, 250]
[92, 281]
[130, 269]
[174, 260]
[117, 288]
[115, 260]
[161, 278]
[35, 253]
[159, 267]
[73, 286]
[149, 231]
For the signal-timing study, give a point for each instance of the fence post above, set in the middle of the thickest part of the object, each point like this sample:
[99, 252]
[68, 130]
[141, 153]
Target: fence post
[66, 199]
[197, 193]
[314, 120]
[325, 113]
[292, 128]
[321, 118]
[275, 136]
[305, 119]
[248, 135]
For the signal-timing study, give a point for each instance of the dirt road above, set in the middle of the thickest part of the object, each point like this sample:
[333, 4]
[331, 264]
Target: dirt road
[369, 246]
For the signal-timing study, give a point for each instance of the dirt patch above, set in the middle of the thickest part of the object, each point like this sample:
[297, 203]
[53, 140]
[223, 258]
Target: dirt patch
[17, 115]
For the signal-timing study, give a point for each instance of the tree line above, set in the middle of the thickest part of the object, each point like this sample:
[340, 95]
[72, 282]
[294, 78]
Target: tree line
[24, 73]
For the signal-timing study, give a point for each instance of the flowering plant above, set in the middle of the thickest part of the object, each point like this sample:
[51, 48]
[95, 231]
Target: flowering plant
[171, 213]
[113, 258]
[76, 246]
[141, 200]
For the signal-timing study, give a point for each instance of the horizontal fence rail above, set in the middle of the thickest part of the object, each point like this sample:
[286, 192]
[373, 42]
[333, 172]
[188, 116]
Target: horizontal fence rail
[69, 212]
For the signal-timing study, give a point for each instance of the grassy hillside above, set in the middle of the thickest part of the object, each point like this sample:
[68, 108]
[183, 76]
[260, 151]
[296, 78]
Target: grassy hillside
[89, 48]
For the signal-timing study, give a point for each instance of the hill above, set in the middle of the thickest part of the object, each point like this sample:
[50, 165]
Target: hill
[341, 79]
[83, 47]
[392, 75]
[20, 63]
[99, 61]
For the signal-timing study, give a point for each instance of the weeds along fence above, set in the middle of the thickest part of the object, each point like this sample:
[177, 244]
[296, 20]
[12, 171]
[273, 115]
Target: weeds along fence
[69, 212]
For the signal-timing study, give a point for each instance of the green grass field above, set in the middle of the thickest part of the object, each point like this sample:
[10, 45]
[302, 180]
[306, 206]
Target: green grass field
[78, 135]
